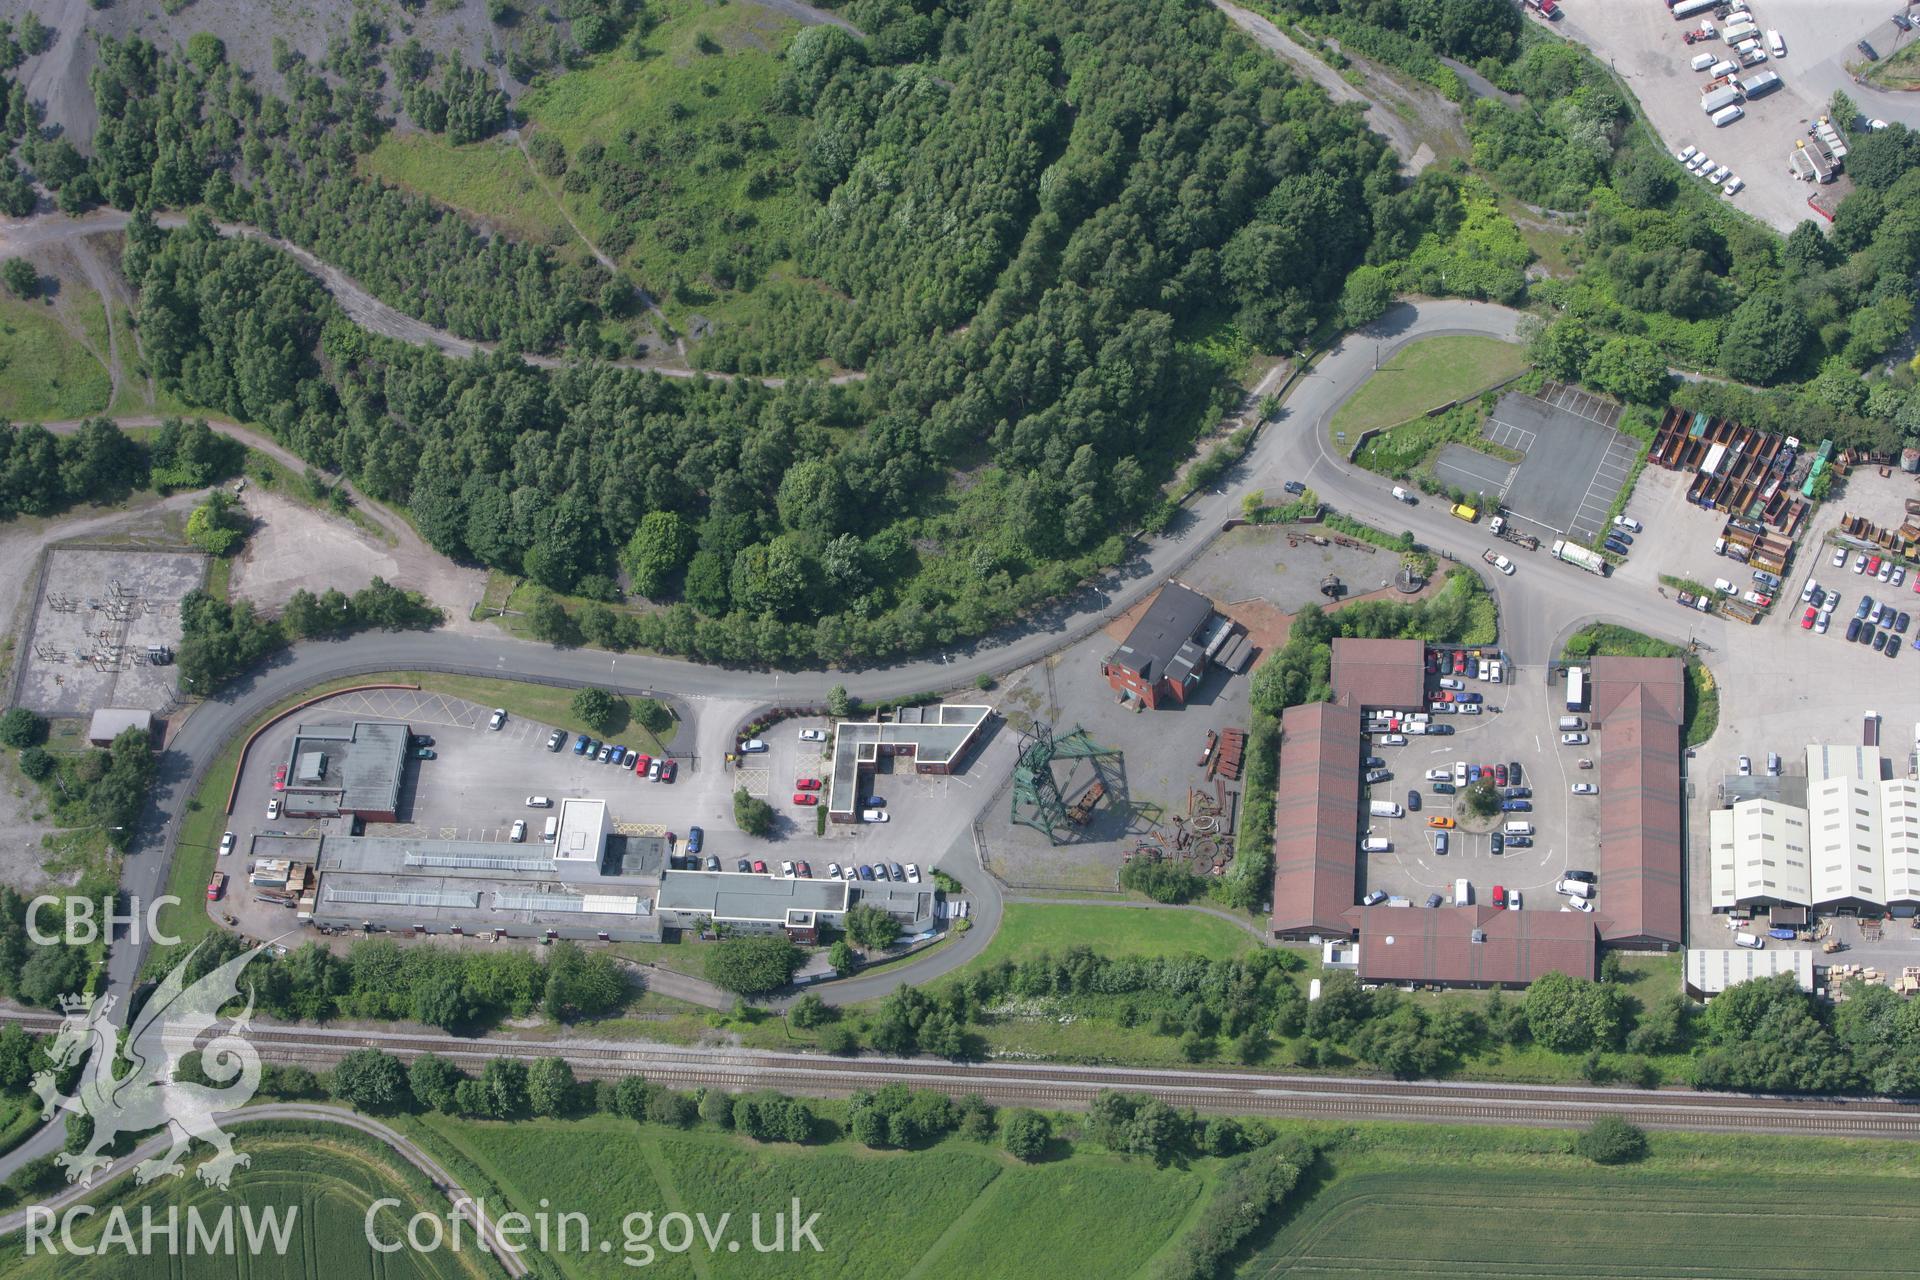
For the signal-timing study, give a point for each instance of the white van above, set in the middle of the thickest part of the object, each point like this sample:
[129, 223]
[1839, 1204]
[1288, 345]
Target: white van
[1570, 723]
[1462, 893]
[1701, 61]
[1751, 941]
[1574, 888]
[551, 832]
[1384, 809]
[1724, 67]
[1776, 45]
[1374, 844]
[1519, 829]
[1739, 31]
[1725, 117]
[1724, 587]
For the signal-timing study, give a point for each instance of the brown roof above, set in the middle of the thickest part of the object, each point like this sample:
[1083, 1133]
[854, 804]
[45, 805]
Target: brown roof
[1380, 673]
[1316, 818]
[1637, 706]
[1402, 944]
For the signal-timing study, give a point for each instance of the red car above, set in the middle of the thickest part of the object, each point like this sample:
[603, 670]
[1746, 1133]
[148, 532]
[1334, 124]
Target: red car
[1806, 619]
[803, 869]
[808, 784]
[1500, 774]
[1459, 664]
[759, 866]
[1500, 896]
[1433, 660]
[640, 764]
[217, 887]
[1873, 566]
[280, 777]
[667, 770]
[805, 797]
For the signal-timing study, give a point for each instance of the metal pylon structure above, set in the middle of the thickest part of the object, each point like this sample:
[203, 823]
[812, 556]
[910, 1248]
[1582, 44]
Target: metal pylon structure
[1037, 799]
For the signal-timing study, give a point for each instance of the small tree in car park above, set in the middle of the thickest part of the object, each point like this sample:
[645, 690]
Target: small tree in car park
[752, 814]
[1483, 800]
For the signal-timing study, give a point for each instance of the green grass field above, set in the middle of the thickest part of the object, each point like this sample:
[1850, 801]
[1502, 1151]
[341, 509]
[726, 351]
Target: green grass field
[489, 179]
[1029, 928]
[328, 1177]
[1447, 1202]
[45, 372]
[957, 1210]
[1423, 375]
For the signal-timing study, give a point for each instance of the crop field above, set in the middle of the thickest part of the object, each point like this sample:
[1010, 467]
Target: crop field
[956, 1210]
[328, 1180]
[1424, 375]
[1402, 1202]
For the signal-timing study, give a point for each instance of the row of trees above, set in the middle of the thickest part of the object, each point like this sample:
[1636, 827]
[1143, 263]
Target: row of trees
[219, 639]
[381, 981]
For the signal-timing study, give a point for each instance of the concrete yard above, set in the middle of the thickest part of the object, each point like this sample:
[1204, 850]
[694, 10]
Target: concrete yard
[1521, 729]
[97, 611]
[1643, 44]
[1576, 461]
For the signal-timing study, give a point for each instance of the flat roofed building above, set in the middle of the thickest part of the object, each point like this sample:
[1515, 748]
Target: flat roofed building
[1709, 971]
[109, 723]
[346, 770]
[582, 836]
[751, 903]
[1477, 946]
[1900, 840]
[1761, 855]
[937, 737]
[1638, 709]
[1164, 657]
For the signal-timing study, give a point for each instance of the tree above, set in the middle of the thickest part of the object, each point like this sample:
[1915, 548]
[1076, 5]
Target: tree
[653, 715]
[752, 814]
[1611, 1140]
[752, 966]
[1365, 297]
[433, 1081]
[20, 727]
[581, 985]
[1573, 1015]
[1631, 368]
[550, 1087]
[1765, 338]
[50, 973]
[20, 277]
[657, 552]
[810, 1011]
[370, 1080]
[842, 957]
[1483, 799]
[839, 704]
[1025, 1134]
[37, 763]
[216, 525]
[599, 710]
[871, 927]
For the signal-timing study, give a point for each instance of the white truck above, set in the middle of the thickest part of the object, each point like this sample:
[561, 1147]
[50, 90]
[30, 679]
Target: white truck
[1579, 557]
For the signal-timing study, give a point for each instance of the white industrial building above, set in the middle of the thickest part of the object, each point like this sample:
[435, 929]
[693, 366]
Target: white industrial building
[1711, 971]
[1853, 846]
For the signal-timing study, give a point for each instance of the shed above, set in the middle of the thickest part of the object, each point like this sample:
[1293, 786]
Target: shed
[109, 723]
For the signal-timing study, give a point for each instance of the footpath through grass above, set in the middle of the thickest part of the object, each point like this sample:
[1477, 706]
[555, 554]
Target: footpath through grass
[1424, 375]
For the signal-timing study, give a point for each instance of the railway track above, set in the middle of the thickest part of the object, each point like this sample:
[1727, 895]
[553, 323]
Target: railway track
[1065, 1087]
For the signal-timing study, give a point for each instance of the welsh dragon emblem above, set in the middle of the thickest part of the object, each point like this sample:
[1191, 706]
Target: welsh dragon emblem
[148, 1096]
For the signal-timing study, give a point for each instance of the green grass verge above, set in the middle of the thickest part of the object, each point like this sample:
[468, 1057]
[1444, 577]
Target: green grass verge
[1703, 691]
[1423, 375]
[45, 372]
[1028, 929]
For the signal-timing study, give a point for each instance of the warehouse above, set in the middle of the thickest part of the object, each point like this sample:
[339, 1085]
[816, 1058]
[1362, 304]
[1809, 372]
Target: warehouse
[754, 902]
[1477, 946]
[1852, 846]
[1711, 971]
[1638, 709]
[346, 771]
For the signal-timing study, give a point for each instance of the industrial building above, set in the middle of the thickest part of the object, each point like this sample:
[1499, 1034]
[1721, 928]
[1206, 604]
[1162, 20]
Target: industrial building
[109, 723]
[587, 884]
[351, 771]
[1166, 655]
[938, 738]
[747, 902]
[1637, 707]
[1846, 839]
[1711, 971]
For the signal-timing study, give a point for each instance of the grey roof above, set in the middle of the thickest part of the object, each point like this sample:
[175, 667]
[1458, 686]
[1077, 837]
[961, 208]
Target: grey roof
[364, 765]
[908, 901]
[523, 864]
[1160, 646]
[936, 735]
[109, 722]
[1788, 788]
[476, 903]
[731, 895]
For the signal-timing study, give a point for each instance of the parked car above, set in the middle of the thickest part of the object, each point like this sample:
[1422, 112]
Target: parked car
[1853, 630]
[653, 769]
[1443, 788]
[874, 815]
[1584, 877]
[1578, 904]
[618, 756]
[1413, 802]
[498, 719]
[1519, 842]
[605, 753]
[425, 753]
[217, 887]
[713, 863]
[1513, 771]
[1435, 900]
[1746, 766]
[1374, 897]
[695, 836]
[580, 745]
[226, 844]
[866, 871]
[1628, 523]
[518, 833]
[1500, 896]
[913, 873]
[743, 866]
[1880, 639]
[1495, 842]
[1806, 619]
[280, 777]
[1573, 739]
[759, 867]
[805, 869]
[813, 735]
[1440, 842]
[1516, 806]
[1574, 888]
[880, 871]
[273, 808]
[1585, 789]
[899, 872]
[805, 797]
[1839, 557]
[876, 802]
[752, 746]
[1517, 793]
[807, 784]
[1500, 774]
[667, 770]
[556, 739]
[640, 762]
[1773, 764]
[786, 869]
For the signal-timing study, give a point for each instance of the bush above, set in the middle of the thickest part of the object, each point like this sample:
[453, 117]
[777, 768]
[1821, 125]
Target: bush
[1162, 881]
[599, 710]
[752, 966]
[1611, 1140]
[654, 716]
[20, 277]
[752, 814]
[20, 727]
[1025, 1134]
